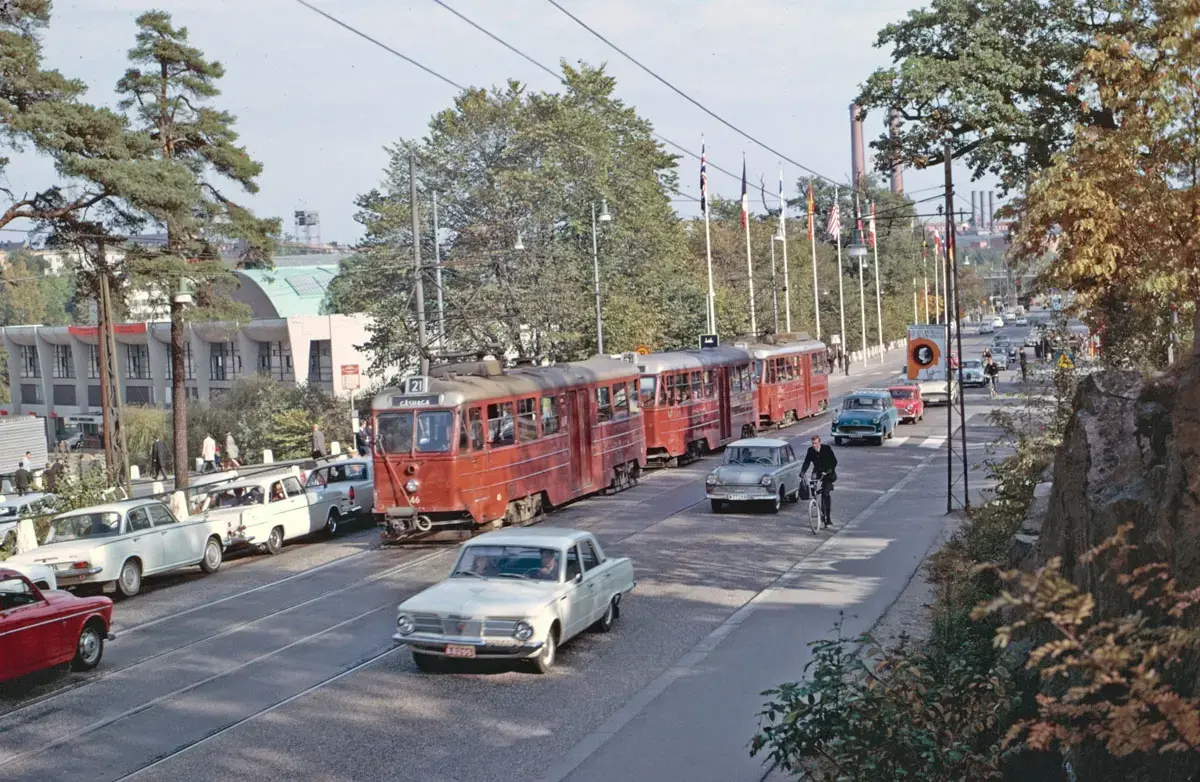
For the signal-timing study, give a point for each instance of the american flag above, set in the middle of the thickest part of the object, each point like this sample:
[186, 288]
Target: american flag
[834, 229]
[871, 225]
[703, 180]
[745, 196]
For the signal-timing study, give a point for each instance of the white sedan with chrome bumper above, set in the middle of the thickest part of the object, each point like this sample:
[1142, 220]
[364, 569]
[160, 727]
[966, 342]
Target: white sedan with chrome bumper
[515, 594]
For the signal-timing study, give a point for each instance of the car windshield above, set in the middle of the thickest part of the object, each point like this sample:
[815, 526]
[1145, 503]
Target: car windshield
[902, 393]
[862, 403]
[84, 525]
[972, 363]
[752, 454]
[530, 563]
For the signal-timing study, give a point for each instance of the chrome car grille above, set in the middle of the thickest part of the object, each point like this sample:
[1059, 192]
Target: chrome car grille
[857, 427]
[464, 626]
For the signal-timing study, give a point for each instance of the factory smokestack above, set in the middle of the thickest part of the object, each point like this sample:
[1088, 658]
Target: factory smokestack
[857, 155]
[974, 214]
[992, 210]
[897, 168]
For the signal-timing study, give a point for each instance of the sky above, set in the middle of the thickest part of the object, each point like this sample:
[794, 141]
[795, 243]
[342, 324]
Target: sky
[317, 105]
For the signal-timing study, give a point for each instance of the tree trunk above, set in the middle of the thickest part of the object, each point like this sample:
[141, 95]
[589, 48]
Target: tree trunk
[106, 429]
[179, 397]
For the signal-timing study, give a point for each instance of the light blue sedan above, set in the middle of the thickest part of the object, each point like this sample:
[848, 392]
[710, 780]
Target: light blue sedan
[867, 413]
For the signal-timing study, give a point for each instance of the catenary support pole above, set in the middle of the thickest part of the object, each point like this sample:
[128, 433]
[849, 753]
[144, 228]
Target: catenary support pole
[418, 272]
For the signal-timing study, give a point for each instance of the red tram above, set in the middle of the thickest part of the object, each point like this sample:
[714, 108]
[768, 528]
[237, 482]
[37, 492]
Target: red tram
[475, 446]
[793, 381]
[695, 401]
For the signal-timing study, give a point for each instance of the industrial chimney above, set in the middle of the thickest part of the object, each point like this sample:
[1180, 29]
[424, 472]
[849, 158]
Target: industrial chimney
[857, 155]
[974, 223]
[992, 209]
[897, 168]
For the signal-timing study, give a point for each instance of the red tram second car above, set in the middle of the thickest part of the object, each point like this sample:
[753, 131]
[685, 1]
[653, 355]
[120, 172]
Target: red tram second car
[792, 381]
[474, 446]
[695, 401]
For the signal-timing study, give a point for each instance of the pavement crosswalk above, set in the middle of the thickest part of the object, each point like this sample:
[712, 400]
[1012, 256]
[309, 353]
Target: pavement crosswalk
[927, 442]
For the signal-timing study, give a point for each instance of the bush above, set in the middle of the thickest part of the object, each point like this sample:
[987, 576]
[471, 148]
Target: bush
[142, 425]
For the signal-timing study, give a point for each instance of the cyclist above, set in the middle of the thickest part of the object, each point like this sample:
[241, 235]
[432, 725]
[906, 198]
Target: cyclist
[824, 464]
[991, 370]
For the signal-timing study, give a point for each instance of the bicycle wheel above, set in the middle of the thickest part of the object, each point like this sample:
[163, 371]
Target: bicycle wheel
[814, 513]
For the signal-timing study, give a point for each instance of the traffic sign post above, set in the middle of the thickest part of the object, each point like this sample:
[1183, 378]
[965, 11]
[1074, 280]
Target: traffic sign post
[351, 379]
[642, 350]
[1065, 360]
[708, 341]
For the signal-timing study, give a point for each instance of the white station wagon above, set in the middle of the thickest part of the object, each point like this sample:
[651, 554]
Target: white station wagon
[266, 510]
[515, 594]
[115, 545]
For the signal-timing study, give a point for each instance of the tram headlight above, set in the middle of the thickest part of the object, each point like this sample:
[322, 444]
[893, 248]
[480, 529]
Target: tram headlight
[412, 485]
[404, 624]
[523, 631]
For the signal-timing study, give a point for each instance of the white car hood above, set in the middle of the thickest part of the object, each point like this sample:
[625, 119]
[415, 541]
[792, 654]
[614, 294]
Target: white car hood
[67, 551]
[473, 597]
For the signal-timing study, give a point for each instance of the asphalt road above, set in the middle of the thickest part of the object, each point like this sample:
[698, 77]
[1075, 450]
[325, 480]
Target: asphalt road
[283, 668]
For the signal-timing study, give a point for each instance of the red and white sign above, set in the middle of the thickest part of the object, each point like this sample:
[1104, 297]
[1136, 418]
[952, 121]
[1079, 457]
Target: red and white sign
[350, 377]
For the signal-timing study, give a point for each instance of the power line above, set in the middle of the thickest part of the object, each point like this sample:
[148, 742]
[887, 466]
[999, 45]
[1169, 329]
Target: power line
[693, 101]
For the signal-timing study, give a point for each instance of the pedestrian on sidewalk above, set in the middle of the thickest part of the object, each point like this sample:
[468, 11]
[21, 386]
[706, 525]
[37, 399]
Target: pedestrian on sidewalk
[846, 363]
[21, 481]
[208, 454]
[318, 442]
[158, 459]
[1024, 365]
[27, 461]
[830, 360]
[231, 451]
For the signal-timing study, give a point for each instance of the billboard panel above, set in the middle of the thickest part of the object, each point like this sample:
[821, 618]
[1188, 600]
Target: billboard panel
[927, 355]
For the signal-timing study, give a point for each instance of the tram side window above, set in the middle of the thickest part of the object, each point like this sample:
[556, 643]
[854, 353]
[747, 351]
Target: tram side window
[549, 415]
[648, 385]
[527, 425]
[435, 428]
[697, 386]
[709, 391]
[735, 379]
[672, 397]
[818, 364]
[501, 430]
[475, 420]
[620, 399]
[603, 405]
[747, 377]
[683, 392]
[464, 432]
[635, 404]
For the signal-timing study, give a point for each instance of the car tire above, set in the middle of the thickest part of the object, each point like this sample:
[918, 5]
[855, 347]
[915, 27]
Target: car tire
[214, 555]
[428, 663]
[891, 433]
[548, 655]
[129, 582]
[331, 524]
[89, 648]
[776, 503]
[274, 542]
[794, 497]
[718, 506]
[605, 623]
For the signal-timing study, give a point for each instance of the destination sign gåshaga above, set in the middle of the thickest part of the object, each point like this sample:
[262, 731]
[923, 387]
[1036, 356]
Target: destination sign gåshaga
[415, 401]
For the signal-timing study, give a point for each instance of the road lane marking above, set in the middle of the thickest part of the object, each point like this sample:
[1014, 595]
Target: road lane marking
[591, 743]
[933, 442]
[895, 442]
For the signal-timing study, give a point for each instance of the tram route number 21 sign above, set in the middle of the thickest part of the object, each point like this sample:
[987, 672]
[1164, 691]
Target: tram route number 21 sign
[926, 352]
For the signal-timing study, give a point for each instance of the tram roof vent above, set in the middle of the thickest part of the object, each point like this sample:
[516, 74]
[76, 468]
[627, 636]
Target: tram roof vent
[488, 367]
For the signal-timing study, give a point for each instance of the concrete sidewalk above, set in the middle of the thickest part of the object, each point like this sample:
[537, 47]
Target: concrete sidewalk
[695, 721]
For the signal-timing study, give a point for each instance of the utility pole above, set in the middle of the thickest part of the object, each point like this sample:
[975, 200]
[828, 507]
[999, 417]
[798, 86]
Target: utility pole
[111, 375]
[952, 306]
[437, 263]
[774, 287]
[418, 283]
[106, 415]
[596, 284]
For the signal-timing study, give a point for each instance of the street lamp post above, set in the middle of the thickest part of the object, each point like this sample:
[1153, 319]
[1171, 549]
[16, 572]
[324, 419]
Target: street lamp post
[603, 217]
[858, 251]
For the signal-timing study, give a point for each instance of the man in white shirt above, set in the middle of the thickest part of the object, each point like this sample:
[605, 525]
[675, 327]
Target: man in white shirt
[208, 453]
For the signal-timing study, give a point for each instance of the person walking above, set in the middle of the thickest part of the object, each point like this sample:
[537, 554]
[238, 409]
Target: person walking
[158, 459]
[232, 451]
[208, 454]
[830, 360]
[1024, 365]
[26, 461]
[846, 363]
[318, 442]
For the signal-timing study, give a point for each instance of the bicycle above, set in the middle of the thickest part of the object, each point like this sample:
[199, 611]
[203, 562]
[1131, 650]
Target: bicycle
[814, 504]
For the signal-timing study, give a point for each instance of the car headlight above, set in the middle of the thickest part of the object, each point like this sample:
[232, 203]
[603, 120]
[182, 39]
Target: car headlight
[412, 485]
[767, 480]
[404, 624]
[523, 631]
[711, 480]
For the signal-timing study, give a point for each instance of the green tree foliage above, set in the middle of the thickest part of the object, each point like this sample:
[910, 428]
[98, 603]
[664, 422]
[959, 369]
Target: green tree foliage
[1120, 204]
[509, 162]
[997, 76]
[22, 299]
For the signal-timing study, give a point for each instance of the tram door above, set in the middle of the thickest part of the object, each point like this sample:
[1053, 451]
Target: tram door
[723, 394]
[581, 440]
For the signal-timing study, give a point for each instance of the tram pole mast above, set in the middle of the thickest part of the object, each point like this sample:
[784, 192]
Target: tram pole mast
[418, 283]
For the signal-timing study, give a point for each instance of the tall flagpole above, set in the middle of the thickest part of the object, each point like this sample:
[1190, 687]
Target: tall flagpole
[862, 292]
[925, 274]
[774, 289]
[812, 240]
[749, 257]
[787, 289]
[878, 292]
[937, 292]
[712, 296]
[916, 308]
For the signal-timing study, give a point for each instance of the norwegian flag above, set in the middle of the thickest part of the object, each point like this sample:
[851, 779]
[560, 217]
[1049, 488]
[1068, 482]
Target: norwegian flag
[834, 229]
[871, 226]
[703, 180]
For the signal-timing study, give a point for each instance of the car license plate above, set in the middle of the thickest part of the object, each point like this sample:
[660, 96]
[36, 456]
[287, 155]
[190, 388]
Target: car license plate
[460, 651]
[739, 497]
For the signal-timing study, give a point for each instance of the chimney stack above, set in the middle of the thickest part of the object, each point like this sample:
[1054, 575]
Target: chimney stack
[992, 209]
[973, 212]
[897, 169]
[857, 156]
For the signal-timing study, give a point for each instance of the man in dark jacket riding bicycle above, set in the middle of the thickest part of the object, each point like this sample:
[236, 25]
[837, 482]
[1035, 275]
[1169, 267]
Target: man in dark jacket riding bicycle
[824, 464]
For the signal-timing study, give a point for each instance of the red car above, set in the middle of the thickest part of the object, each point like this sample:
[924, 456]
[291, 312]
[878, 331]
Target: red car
[43, 629]
[908, 402]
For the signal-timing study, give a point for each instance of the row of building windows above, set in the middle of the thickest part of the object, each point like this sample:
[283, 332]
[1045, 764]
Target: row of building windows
[225, 362]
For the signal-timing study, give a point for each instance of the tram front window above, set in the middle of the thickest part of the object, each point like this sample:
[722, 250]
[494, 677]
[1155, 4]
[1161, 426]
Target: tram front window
[649, 385]
[435, 429]
[394, 431]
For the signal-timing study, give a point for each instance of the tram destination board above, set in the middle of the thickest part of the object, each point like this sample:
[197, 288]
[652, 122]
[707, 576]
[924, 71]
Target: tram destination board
[415, 401]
